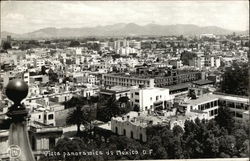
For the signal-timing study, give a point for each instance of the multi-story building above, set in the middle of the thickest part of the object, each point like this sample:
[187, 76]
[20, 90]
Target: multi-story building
[151, 81]
[198, 62]
[38, 63]
[150, 98]
[206, 104]
[127, 80]
[209, 104]
[117, 91]
[238, 105]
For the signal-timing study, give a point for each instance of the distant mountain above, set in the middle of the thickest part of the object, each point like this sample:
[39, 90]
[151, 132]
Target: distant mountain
[4, 34]
[122, 29]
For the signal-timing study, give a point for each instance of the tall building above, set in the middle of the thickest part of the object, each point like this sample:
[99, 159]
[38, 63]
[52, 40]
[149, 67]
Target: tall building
[8, 38]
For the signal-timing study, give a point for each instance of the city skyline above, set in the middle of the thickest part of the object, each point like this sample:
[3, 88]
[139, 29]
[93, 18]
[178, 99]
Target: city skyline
[16, 17]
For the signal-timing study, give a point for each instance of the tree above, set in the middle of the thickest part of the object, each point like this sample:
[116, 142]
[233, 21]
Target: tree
[74, 43]
[240, 136]
[159, 152]
[81, 115]
[43, 70]
[6, 45]
[53, 77]
[76, 118]
[225, 119]
[186, 56]
[235, 79]
[136, 108]
[177, 130]
[192, 94]
[124, 105]
[227, 145]
[211, 146]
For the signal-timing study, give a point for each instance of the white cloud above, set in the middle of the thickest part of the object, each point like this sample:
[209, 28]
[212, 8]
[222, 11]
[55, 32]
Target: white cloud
[26, 16]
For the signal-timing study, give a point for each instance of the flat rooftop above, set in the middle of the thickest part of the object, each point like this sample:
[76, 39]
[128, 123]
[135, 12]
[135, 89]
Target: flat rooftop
[202, 99]
[203, 82]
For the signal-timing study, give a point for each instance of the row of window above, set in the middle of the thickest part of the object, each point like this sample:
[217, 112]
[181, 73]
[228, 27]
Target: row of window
[234, 105]
[50, 116]
[213, 112]
[208, 105]
[131, 133]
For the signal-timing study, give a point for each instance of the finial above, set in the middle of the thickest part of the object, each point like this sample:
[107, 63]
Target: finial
[16, 91]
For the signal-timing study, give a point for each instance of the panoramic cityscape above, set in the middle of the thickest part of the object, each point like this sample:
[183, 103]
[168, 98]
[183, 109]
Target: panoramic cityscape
[124, 80]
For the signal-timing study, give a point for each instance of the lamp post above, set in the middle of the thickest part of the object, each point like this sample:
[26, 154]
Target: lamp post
[19, 145]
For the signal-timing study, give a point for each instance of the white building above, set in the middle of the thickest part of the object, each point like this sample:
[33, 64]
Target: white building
[38, 63]
[150, 98]
[133, 125]
[206, 104]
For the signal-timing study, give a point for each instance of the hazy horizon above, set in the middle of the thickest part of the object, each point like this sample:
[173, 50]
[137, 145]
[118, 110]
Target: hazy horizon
[27, 16]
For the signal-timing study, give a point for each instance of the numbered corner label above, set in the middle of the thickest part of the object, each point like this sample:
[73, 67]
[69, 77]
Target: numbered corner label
[14, 151]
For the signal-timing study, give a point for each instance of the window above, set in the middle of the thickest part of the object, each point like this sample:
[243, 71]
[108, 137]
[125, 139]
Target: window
[150, 98]
[116, 130]
[215, 103]
[239, 115]
[137, 100]
[137, 93]
[52, 143]
[131, 95]
[202, 107]
[157, 97]
[132, 135]
[124, 132]
[51, 116]
[216, 111]
[39, 116]
[140, 137]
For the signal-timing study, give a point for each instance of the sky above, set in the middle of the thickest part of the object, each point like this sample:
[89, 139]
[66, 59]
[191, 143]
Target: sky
[27, 16]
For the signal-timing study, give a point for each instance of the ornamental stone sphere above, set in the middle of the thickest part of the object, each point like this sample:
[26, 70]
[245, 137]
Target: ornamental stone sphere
[17, 90]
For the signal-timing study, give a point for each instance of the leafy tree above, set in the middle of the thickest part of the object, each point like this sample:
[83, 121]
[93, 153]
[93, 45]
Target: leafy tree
[76, 118]
[43, 70]
[192, 94]
[110, 108]
[235, 79]
[81, 115]
[159, 152]
[53, 77]
[6, 45]
[74, 43]
[225, 119]
[227, 145]
[211, 146]
[177, 130]
[136, 108]
[186, 56]
[240, 136]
